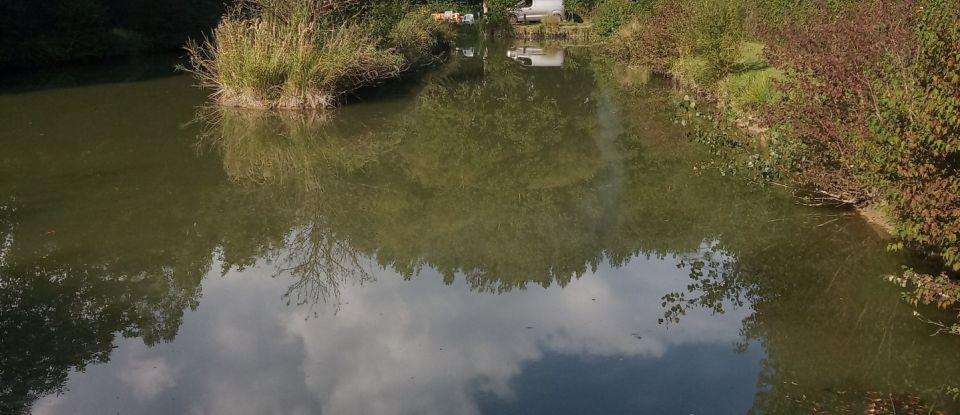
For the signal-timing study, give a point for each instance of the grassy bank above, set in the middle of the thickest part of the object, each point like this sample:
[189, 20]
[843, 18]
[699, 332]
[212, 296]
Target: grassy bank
[555, 30]
[855, 102]
[289, 54]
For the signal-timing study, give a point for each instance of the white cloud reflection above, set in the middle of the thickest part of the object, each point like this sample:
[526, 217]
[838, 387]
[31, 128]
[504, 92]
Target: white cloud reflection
[395, 346]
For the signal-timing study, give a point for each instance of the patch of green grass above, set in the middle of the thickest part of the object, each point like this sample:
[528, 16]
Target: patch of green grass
[751, 54]
[750, 85]
[752, 88]
[692, 69]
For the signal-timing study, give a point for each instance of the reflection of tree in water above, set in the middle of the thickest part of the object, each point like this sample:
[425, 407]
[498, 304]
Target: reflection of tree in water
[287, 149]
[120, 252]
[714, 284]
[507, 180]
[61, 310]
[467, 180]
[833, 332]
[321, 264]
[286, 165]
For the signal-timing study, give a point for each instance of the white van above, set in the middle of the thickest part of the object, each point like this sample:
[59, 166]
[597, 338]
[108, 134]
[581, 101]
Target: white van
[536, 10]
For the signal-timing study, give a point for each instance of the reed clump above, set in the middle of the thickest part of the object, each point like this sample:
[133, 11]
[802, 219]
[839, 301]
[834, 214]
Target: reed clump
[305, 54]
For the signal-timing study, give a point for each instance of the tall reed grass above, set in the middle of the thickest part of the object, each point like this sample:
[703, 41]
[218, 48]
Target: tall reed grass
[290, 54]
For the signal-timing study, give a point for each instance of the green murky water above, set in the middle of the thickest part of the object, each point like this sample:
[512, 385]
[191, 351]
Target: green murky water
[506, 236]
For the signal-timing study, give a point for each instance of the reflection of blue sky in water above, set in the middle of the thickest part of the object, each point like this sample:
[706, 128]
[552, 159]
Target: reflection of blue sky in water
[405, 347]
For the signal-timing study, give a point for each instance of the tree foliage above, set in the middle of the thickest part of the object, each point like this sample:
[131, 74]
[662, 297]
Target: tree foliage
[37, 33]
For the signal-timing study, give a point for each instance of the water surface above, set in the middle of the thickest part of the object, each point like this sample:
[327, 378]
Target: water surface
[509, 235]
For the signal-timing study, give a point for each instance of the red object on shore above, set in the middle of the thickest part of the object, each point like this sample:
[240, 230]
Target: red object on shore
[448, 16]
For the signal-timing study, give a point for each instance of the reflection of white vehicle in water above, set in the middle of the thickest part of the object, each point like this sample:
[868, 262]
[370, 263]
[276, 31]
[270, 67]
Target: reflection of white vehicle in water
[537, 56]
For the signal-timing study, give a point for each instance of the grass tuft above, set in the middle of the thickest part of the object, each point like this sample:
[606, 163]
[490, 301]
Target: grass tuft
[753, 88]
[289, 54]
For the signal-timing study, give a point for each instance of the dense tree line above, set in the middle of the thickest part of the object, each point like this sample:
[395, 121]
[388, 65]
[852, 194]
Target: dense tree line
[36, 33]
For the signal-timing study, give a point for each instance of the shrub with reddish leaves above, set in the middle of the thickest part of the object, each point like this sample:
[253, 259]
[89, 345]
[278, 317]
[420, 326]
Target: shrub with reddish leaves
[917, 128]
[874, 94]
[656, 41]
[830, 92]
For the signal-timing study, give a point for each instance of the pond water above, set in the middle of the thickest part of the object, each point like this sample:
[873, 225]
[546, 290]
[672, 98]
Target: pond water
[509, 235]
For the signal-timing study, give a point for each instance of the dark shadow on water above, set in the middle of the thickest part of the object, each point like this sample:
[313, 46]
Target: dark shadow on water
[109, 71]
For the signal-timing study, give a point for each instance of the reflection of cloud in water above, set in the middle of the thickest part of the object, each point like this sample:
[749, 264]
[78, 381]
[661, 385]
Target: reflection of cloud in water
[395, 346]
[148, 377]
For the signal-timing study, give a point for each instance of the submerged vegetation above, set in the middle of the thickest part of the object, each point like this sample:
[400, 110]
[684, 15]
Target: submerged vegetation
[287, 54]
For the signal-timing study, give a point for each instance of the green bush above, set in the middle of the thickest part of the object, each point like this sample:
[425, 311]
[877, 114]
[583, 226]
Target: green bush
[609, 15]
[706, 34]
[419, 38]
[717, 30]
[499, 12]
